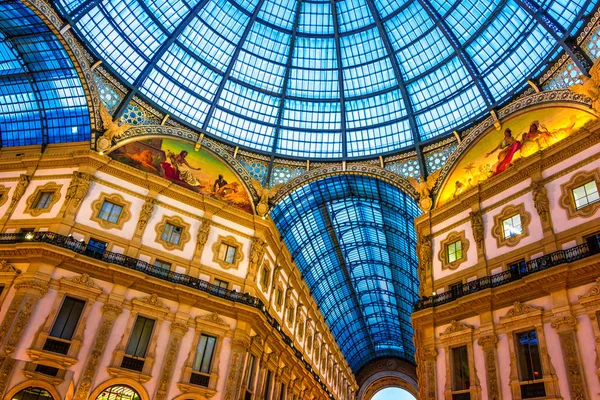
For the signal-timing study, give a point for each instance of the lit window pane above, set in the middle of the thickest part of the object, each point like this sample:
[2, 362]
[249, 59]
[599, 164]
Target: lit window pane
[512, 226]
[585, 194]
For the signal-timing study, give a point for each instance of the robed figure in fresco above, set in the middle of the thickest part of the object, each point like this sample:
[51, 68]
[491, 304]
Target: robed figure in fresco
[508, 147]
[179, 169]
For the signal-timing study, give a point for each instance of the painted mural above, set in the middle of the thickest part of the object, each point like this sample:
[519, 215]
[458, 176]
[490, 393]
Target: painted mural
[178, 162]
[521, 136]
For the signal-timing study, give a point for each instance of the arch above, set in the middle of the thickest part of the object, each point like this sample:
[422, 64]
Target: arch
[136, 386]
[529, 103]
[353, 169]
[190, 396]
[386, 372]
[339, 230]
[36, 384]
[141, 132]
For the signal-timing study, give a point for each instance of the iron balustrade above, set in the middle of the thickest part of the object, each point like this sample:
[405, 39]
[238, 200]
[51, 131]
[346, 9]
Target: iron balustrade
[80, 247]
[199, 379]
[134, 364]
[56, 346]
[515, 273]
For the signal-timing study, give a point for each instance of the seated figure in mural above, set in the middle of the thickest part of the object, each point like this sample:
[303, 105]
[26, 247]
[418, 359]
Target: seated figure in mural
[179, 169]
[538, 133]
[508, 147]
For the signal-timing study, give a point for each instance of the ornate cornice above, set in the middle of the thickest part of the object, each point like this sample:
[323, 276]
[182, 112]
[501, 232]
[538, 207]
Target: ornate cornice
[5, 266]
[567, 320]
[34, 284]
[456, 326]
[592, 294]
[520, 309]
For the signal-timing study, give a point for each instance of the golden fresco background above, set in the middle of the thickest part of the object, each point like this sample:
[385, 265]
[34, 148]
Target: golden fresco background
[178, 162]
[531, 132]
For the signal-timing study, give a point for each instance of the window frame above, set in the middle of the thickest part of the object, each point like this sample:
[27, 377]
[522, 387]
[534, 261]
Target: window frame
[567, 199]
[232, 242]
[31, 202]
[443, 254]
[508, 212]
[175, 221]
[588, 203]
[116, 199]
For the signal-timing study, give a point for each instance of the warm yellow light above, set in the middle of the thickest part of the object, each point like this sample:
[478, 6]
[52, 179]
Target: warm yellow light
[29, 236]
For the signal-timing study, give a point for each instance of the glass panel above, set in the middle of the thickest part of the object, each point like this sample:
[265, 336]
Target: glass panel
[512, 226]
[171, 233]
[585, 194]
[530, 365]
[110, 212]
[118, 392]
[43, 200]
[204, 354]
[67, 318]
[267, 390]
[250, 376]
[221, 284]
[460, 369]
[140, 337]
[454, 251]
[162, 264]
[33, 393]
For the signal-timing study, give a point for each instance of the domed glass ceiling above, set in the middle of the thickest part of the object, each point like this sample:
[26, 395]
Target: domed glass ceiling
[325, 78]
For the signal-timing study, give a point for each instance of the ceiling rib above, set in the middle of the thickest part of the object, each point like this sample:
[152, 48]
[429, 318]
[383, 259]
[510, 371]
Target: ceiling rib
[338, 51]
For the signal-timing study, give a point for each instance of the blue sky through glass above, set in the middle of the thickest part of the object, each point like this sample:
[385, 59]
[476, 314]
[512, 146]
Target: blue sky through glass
[323, 78]
[393, 394]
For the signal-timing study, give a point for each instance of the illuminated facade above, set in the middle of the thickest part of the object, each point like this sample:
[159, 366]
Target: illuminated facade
[288, 200]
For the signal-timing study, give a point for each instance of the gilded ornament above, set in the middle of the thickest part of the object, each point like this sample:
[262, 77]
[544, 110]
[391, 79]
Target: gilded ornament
[19, 189]
[520, 309]
[202, 235]
[78, 188]
[264, 194]
[34, 284]
[454, 327]
[568, 320]
[84, 280]
[477, 227]
[112, 130]
[590, 86]
[146, 213]
[424, 187]
[540, 201]
[5, 266]
[425, 258]
[593, 292]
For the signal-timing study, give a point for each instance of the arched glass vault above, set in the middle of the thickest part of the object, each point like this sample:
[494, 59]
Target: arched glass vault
[354, 242]
[327, 79]
[42, 100]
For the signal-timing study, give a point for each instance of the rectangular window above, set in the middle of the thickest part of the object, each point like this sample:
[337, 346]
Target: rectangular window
[43, 200]
[585, 195]
[460, 369]
[27, 230]
[530, 365]
[64, 326]
[110, 212]
[221, 284]
[265, 276]
[282, 392]
[140, 337]
[162, 264]
[227, 253]
[454, 251]
[512, 226]
[267, 390]
[204, 354]
[172, 233]
[250, 377]
[278, 297]
[96, 245]
[456, 289]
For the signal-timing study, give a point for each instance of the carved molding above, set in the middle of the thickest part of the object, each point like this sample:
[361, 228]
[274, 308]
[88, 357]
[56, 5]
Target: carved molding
[456, 326]
[3, 194]
[520, 309]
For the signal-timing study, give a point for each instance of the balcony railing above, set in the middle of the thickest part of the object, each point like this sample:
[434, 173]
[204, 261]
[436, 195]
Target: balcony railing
[80, 247]
[515, 273]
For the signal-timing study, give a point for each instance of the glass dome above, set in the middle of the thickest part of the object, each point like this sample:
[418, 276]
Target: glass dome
[325, 79]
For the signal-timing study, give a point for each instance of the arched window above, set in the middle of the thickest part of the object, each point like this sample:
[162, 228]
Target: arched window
[33, 393]
[118, 392]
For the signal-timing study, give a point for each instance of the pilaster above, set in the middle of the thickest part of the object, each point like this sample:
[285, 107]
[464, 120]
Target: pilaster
[178, 330]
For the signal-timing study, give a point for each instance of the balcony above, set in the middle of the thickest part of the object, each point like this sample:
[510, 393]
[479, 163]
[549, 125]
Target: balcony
[517, 272]
[69, 243]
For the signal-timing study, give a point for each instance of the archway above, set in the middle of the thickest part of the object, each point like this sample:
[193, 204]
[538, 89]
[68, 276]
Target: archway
[386, 373]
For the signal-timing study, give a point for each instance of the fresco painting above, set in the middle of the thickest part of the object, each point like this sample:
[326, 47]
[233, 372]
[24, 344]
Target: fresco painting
[521, 136]
[178, 162]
